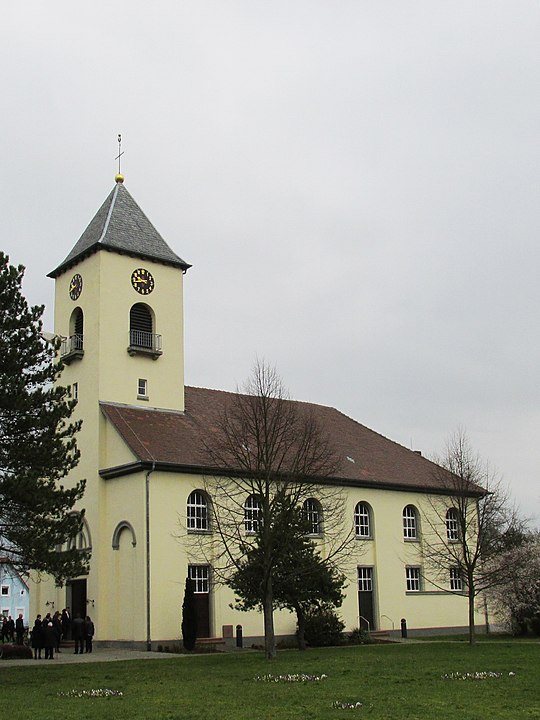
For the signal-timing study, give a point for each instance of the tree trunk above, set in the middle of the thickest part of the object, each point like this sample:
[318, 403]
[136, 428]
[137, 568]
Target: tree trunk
[301, 632]
[268, 610]
[472, 637]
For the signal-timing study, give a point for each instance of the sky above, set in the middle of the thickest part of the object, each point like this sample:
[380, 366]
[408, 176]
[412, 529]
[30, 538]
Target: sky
[355, 183]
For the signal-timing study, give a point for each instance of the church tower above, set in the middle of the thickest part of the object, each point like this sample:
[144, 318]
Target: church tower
[119, 312]
[119, 306]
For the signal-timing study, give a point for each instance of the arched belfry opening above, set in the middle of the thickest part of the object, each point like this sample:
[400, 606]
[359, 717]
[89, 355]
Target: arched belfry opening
[142, 338]
[73, 345]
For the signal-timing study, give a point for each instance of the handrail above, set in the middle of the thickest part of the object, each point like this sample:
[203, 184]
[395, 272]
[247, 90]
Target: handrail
[389, 618]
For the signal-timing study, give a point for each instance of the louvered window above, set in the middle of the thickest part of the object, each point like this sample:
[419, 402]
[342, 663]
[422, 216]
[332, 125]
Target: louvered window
[140, 326]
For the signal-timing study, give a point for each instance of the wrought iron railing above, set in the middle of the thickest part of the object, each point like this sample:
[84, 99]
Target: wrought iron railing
[144, 342]
[74, 344]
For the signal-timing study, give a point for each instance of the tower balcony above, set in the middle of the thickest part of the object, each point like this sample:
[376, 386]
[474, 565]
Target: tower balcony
[72, 348]
[144, 343]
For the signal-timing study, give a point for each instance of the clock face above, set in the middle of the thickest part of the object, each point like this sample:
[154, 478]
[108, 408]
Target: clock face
[75, 286]
[142, 281]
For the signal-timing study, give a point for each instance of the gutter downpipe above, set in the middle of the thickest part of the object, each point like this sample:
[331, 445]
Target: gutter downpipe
[147, 492]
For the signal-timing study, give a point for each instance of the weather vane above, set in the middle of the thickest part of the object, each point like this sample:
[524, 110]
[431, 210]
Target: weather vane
[119, 177]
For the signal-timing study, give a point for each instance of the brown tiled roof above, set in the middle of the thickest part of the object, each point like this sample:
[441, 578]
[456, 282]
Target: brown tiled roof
[177, 441]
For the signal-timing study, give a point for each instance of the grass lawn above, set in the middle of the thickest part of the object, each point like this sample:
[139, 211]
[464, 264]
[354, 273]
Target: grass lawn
[392, 681]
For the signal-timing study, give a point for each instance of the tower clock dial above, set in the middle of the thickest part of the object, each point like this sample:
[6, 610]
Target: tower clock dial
[142, 281]
[75, 286]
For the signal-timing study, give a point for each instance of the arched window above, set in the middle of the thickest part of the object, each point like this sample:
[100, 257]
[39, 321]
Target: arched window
[362, 520]
[73, 346]
[123, 526]
[452, 526]
[142, 338]
[81, 541]
[410, 523]
[252, 513]
[197, 511]
[313, 514]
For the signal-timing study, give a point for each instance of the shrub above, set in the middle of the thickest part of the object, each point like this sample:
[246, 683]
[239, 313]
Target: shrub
[15, 652]
[360, 637]
[323, 628]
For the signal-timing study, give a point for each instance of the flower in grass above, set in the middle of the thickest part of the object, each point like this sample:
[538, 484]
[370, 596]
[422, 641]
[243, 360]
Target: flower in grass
[483, 675]
[340, 705]
[99, 692]
[296, 678]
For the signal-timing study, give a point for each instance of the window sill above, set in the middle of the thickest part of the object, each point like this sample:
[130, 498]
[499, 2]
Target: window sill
[411, 540]
[143, 397]
[198, 531]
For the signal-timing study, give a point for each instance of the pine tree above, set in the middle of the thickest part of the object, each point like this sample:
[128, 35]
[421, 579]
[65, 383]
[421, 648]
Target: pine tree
[37, 442]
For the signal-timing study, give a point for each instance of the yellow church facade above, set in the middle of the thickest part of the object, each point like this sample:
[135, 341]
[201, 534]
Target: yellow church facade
[119, 310]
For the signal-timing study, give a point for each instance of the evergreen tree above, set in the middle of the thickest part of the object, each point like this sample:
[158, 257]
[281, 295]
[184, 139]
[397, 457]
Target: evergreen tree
[37, 442]
[189, 616]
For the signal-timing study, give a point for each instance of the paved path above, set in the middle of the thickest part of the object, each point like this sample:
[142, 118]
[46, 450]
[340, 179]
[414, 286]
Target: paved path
[97, 655]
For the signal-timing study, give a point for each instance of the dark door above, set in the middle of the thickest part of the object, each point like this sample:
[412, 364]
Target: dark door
[77, 598]
[201, 575]
[365, 599]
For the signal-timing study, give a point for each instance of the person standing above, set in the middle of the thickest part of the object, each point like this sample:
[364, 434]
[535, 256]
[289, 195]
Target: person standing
[89, 630]
[19, 629]
[11, 629]
[77, 629]
[49, 639]
[66, 624]
[37, 638]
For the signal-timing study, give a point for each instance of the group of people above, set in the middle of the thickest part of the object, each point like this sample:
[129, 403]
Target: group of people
[11, 628]
[48, 631]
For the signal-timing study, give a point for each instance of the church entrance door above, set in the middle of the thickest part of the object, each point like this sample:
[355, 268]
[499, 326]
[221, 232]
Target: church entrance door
[365, 599]
[201, 575]
[76, 598]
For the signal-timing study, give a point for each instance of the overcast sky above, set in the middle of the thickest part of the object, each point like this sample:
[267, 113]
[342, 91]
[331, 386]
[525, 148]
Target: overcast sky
[356, 184]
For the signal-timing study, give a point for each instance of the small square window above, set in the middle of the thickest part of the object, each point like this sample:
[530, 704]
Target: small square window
[142, 388]
[5, 590]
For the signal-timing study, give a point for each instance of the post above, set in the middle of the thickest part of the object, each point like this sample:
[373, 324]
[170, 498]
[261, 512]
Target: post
[403, 628]
[239, 641]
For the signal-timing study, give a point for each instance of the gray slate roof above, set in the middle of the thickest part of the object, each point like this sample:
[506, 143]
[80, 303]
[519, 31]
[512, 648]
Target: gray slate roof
[121, 226]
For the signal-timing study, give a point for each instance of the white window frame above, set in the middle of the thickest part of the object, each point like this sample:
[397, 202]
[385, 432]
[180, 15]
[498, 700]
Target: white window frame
[200, 574]
[142, 389]
[252, 513]
[362, 520]
[456, 582]
[197, 512]
[365, 578]
[452, 526]
[413, 577]
[75, 391]
[410, 523]
[313, 515]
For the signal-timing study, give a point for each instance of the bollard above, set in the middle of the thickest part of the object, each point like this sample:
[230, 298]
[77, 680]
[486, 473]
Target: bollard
[239, 636]
[403, 628]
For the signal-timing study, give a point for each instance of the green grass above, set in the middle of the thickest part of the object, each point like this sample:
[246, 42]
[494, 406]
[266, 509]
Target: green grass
[393, 681]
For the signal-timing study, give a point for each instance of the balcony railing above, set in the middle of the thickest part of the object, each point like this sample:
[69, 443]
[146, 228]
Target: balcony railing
[144, 343]
[72, 348]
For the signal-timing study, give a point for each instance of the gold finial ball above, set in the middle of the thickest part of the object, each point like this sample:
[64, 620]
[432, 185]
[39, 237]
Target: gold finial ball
[119, 178]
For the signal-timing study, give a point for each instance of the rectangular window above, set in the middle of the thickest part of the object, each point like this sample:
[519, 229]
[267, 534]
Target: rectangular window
[201, 575]
[142, 389]
[365, 579]
[413, 579]
[5, 590]
[5, 612]
[455, 579]
[75, 391]
[19, 611]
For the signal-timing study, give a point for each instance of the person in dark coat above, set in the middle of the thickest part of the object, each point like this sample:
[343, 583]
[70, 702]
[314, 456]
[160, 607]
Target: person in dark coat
[11, 629]
[4, 630]
[49, 640]
[37, 638]
[77, 630]
[89, 631]
[57, 625]
[19, 629]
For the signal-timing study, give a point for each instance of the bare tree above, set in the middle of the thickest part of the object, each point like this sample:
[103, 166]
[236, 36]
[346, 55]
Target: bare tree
[470, 523]
[272, 457]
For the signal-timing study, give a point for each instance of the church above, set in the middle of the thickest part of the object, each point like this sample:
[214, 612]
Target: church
[119, 312]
